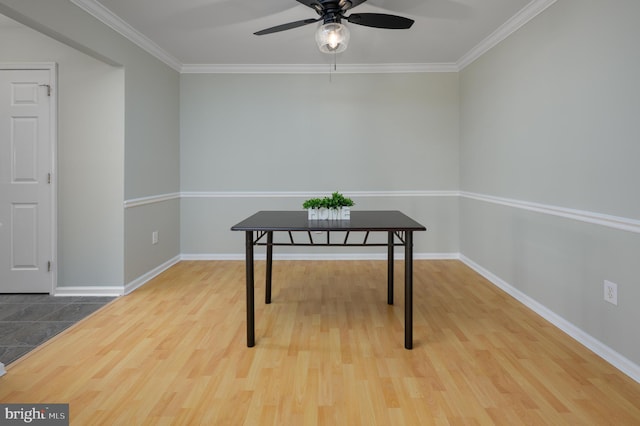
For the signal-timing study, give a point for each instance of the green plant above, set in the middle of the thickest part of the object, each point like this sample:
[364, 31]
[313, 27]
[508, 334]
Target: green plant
[312, 203]
[336, 201]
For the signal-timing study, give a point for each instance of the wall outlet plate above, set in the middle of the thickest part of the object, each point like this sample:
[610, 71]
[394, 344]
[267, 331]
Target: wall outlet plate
[611, 292]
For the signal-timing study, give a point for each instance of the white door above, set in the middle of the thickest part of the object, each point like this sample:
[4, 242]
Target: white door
[26, 205]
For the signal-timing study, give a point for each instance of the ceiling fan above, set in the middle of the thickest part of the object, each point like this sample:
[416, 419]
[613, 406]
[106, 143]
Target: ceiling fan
[332, 36]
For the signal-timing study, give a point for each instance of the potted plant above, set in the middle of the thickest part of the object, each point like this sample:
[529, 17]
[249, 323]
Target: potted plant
[336, 207]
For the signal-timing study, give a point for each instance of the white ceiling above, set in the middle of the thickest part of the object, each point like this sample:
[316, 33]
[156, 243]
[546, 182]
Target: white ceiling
[213, 35]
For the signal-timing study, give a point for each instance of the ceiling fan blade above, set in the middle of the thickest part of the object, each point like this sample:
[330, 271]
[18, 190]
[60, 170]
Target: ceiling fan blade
[380, 20]
[288, 26]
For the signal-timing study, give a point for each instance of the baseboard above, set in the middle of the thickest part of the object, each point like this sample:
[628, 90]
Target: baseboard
[623, 364]
[321, 256]
[90, 291]
[2, 370]
[617, 360]
[141, 280]
[116, 290]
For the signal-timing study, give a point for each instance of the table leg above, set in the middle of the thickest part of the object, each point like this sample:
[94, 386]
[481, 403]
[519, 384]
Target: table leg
[251, 339]
[390, 269]
[408, 290]
[267, 292]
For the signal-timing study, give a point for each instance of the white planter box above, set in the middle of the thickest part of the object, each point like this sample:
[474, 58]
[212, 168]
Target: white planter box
[343, 213]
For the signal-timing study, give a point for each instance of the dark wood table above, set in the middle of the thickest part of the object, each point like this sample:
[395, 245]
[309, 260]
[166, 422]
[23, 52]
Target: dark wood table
[398, 226]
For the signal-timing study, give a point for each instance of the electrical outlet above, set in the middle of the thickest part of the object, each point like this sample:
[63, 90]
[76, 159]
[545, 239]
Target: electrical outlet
[154, 237]
[611, 292]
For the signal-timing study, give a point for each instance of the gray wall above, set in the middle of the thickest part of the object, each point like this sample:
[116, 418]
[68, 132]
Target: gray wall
[384, 133]
[550, 116]
[151, 128]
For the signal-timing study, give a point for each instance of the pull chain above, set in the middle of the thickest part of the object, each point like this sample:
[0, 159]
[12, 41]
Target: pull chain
[335, 68]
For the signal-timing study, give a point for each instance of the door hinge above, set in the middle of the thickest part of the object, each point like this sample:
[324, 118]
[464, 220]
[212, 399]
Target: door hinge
[48, 177]
[48, 88]
[49, 266]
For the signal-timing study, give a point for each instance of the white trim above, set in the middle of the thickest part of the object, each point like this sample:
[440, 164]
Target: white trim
[52, 67]
[316, 68]
[612, 357]
[616, 222]
[617, 360]
[114, 22]
[53, 73]
[104, 15]
[303, 194]
[2, 370]
[530, 11]
[114, 290]
[118, 290]
[321, 256]
[143, 279]
[610, 221]
[137, 202]
[216, 256]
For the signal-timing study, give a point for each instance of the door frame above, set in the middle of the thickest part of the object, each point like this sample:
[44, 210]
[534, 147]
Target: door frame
[52, 67]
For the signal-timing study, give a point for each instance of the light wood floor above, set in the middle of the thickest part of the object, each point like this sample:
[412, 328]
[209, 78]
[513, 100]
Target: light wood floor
[329, 350]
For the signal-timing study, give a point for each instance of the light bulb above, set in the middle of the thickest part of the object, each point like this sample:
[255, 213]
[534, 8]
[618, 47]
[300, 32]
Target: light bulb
[333, 40]
[332, 37]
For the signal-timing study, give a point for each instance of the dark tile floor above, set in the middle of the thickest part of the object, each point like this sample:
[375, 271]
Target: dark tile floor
[28, 320]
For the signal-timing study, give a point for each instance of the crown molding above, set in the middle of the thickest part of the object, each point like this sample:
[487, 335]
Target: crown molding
[530, 11]
[104, 15]
[316, 68]
[95, 9]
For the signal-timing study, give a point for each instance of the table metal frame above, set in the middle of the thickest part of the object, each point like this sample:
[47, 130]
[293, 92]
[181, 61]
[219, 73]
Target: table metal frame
[402, 236]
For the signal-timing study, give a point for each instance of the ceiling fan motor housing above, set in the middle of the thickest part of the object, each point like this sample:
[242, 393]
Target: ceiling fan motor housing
[331, 10]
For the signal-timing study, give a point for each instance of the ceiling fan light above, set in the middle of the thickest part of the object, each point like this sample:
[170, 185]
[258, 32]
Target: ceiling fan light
[332, 37]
